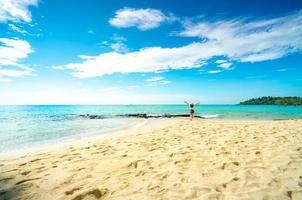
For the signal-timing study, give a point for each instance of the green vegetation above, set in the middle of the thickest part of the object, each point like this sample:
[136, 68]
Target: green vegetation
[296, 101]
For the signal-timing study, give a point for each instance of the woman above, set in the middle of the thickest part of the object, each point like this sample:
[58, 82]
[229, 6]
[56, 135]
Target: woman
[191, 109]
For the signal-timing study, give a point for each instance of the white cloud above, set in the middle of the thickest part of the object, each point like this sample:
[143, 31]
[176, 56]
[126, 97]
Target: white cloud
[17, 29]
[225, 65]
[143, 19]
[14, 73]
[236, 40]
[117, 43]
[12, 51]
[214, 71]
[118, 38]
[165, 82]
[220, 61]
[154, 79]
[57, 67]
[119, 47]
[251, 41]
[16, 10]
[151, 59]
[153, 84]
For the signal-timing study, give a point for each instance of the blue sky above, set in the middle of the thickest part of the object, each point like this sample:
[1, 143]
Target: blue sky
[148, 52]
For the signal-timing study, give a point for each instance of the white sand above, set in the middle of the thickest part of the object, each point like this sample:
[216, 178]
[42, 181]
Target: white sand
[177, 159]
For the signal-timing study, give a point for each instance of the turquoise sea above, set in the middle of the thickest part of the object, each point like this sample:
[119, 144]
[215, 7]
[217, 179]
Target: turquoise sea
[26, 126]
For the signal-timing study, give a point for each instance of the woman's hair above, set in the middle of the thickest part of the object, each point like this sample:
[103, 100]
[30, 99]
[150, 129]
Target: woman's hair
[191, 105]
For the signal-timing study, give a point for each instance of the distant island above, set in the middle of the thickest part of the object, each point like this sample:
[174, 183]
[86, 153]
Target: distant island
[284, 101]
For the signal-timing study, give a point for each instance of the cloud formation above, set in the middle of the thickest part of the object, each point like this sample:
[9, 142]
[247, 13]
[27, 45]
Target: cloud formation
[214, 71]
[57, 67]
[156, 81]
[117, 43]
[17, 29]
[220, 61]
[253, 40]
[143, 19]
[235, 40]
[226, 65]
[153, 59]
[16, 10]
[12, 51]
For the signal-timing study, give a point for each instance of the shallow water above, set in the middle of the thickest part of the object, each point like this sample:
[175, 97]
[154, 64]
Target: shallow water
[24, 126]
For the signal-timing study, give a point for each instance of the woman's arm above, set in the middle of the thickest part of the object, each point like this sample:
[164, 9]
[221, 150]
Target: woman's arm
[186, 102]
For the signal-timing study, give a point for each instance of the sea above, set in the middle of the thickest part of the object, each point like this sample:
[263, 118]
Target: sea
[23, 127]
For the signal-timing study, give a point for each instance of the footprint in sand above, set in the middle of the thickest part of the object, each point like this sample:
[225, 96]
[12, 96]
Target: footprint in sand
[26, 180]
[63, 156]
[25, 173]
[80, 169]
[294, 194]
[161, 176]
[124, 185]
[140, 173]
[93, 193]
[183, 161]
[142, 163]
[22, 164]
[70, 192]
[230, 165]
[35, 160]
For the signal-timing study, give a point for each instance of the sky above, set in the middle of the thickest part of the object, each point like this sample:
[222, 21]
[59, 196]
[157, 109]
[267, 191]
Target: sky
[148, 51]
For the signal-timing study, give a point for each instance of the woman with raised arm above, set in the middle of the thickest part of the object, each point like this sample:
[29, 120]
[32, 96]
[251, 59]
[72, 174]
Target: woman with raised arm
[191, 109]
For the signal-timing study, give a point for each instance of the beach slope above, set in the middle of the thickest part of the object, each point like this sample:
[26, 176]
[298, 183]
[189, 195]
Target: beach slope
[176, 159]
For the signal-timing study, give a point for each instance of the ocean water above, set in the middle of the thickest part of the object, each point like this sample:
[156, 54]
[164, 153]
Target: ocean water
[26, 126]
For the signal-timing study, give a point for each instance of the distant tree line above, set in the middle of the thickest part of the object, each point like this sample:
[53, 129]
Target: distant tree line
[273, 101]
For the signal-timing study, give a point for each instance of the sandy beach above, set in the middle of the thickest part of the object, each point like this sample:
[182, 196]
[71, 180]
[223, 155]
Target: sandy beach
[175, 159]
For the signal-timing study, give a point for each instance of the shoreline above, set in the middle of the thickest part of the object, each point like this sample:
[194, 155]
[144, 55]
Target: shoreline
[116, 132]
[113, 133]
[75, 140]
